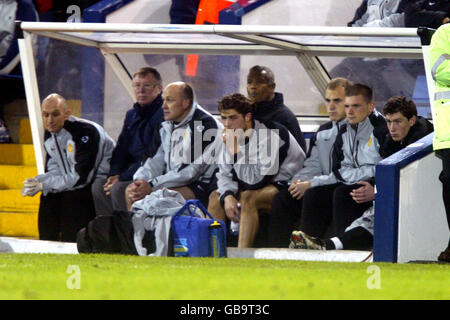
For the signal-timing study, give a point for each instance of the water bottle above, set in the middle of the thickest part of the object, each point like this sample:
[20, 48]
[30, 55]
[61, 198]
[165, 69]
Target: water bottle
[234, 226]
[216, 240]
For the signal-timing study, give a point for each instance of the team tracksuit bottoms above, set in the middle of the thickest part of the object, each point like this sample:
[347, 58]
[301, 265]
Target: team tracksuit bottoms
[63, 214]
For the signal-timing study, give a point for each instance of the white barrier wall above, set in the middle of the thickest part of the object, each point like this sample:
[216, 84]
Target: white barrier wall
[422, 224]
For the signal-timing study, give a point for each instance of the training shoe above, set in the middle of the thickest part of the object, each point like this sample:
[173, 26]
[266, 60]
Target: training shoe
[300, 240]
[445, 255]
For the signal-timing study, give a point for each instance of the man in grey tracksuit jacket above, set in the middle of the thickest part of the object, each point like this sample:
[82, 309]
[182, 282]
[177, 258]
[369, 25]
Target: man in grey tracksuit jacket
[185, 155]
[78, 152]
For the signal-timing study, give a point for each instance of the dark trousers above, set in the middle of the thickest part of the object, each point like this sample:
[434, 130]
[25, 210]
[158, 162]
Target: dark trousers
[63, 214]
[328, 210]
[357, 239]
[283, 219]
[444, 177]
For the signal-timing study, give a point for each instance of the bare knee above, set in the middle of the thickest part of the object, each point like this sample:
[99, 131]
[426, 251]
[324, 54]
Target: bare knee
[214, 206]
[247, 198]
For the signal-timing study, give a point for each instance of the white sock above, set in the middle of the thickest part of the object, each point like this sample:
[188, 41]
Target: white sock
[337, 243]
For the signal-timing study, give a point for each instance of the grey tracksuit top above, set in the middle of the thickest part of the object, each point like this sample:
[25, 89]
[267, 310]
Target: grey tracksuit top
[356, 152]
[256, 164]
[76, 155]
[319, 158]
[185, 153]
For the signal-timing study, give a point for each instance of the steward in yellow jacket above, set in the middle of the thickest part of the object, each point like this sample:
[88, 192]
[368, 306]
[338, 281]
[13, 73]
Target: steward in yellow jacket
[440, 69]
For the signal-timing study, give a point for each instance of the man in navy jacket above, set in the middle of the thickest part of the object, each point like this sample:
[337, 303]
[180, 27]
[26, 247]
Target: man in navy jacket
[138, 133]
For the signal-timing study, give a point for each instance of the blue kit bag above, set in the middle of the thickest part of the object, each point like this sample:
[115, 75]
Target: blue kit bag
[197, 237]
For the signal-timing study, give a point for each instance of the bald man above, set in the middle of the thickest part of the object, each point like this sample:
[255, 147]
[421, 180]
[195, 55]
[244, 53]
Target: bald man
[180, 162]
[78, 152]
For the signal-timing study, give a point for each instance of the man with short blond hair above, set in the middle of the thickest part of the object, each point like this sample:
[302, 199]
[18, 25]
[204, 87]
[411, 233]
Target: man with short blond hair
[287, 204]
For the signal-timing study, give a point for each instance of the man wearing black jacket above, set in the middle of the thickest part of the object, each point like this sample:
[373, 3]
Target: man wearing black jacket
[269, 105]
[426, 13]
[139, 131]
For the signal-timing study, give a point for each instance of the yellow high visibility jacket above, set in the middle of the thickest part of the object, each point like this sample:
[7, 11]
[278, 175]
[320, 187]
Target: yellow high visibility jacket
[440, 69]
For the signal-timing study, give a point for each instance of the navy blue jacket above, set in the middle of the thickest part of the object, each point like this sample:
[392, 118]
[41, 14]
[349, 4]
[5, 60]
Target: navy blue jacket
[138, 131]
[277, 111]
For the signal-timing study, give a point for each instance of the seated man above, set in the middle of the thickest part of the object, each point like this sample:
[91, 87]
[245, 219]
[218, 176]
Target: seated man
[287, 204]
[269, 105]
[78, 152]
[256, 158]
[327, 204]
[182, 161]
[405, 127]
[138, 131]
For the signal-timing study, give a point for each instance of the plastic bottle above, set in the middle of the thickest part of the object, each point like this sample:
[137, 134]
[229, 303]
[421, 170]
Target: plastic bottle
[216, 240]
[234, 226]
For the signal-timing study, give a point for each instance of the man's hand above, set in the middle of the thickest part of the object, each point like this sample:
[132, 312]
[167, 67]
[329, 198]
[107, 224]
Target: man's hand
[109, 183]
[230, 138]
[298, 188]
[364, 193]
[231, 209]
[31, 186]
[138, 190]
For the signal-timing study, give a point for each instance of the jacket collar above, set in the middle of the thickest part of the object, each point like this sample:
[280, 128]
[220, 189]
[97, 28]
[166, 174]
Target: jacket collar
[269, 106]
[148, 108]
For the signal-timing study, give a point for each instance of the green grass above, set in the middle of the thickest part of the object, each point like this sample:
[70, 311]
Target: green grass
[45, 276]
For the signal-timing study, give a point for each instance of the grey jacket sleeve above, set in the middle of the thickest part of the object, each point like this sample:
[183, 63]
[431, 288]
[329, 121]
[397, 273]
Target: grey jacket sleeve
[225, 183]
[152, 167]
[53, 180]
[312, 167]
[192, 169]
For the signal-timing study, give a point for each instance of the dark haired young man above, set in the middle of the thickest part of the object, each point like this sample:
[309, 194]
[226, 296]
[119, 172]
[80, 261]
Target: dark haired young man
[255, 160]
[405, 127]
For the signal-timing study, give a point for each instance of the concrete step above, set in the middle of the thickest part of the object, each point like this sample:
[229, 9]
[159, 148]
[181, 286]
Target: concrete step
[12, 201]
[13, 176]
[25, 136]
[17, 154]
[19, 224]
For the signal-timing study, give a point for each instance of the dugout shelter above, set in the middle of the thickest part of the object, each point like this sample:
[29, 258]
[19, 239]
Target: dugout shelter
[121, 44]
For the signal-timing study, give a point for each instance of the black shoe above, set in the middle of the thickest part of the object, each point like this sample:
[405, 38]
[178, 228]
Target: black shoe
[83, 244]
[445, 255]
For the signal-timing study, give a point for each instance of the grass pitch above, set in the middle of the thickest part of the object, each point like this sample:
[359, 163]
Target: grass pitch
[98, 276]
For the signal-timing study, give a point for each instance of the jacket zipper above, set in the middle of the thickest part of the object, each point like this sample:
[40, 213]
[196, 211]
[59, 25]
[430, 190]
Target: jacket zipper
[355, 156]
[60, 153]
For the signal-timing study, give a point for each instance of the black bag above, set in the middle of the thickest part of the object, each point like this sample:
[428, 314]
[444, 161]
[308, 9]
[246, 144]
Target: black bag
[112, 234]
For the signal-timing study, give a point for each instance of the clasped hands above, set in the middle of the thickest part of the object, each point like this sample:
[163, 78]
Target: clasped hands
[362, 194]
[138, 189]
